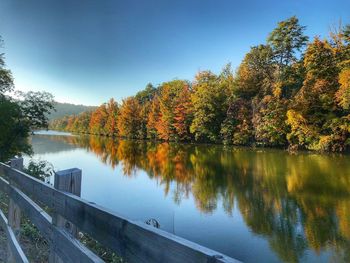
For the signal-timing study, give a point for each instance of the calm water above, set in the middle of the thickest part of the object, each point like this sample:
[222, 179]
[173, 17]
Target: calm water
[254, 205]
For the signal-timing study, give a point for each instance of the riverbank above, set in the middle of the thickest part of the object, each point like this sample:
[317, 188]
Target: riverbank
[253, 146]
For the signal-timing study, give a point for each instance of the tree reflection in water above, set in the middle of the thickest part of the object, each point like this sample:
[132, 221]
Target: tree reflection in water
[296, 202]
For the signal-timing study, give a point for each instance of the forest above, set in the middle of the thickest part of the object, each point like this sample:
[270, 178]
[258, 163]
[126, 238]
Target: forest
[290, 92]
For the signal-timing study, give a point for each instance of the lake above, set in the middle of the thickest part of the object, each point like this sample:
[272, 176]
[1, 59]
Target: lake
[258, 205]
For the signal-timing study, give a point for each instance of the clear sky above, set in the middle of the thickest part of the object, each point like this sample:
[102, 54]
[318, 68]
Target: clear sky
[88, 51]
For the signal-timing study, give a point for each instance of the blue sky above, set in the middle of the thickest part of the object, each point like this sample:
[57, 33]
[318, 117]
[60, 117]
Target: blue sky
[88, 51]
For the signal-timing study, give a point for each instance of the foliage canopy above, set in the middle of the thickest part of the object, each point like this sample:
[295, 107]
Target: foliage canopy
[287, 92]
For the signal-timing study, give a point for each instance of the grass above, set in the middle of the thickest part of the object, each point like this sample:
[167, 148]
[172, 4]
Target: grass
[106, 254]
[34, 245]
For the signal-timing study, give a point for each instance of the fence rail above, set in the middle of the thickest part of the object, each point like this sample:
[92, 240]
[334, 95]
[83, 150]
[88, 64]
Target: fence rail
[15, 249]
[133, 241]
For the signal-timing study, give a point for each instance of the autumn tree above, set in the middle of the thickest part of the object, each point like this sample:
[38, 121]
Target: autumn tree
[183, 114]
[112, 118]
[130, 119]
[98, 120]
[270, 111]
[153, 119]
[343, 93]
[82, 122]
[281, 95]
[254, 79]
[168, 97]
[317, 99]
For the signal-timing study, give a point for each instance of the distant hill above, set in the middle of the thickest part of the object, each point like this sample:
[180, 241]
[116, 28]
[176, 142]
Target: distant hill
[63, 109]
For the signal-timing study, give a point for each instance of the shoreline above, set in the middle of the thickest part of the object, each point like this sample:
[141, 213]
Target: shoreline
[196, 143]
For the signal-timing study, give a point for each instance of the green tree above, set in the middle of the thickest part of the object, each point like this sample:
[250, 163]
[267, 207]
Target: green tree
[237, 127]
[286, 40]
[147, 94]
[255, 75]
[145, 98]
[270, 122]
[6, 79]
[20, 116]
[209, 99]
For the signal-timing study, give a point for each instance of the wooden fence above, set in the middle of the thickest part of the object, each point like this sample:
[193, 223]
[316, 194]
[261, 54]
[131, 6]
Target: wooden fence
[133, 241]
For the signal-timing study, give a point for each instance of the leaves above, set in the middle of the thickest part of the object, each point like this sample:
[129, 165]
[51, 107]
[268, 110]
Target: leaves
[19, 116]
[280, 96]
[343, 94]
[286, 40]
[130, 119]
[35, 107]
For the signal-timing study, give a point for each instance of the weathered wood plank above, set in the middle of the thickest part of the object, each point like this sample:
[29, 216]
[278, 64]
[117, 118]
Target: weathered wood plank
[17, 253]
[67, 247]
[2, 173]
[17, 163]
[33, 187]
[70, 250]
[4, 185]
[136, 242]
[14, 212]
[14, 217]
[35, 213]
[67, 181]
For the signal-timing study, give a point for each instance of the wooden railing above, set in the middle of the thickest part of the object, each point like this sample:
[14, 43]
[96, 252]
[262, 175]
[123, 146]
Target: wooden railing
[133, 241]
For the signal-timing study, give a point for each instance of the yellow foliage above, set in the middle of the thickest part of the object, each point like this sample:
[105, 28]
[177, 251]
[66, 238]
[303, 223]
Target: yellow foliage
[277, 92]
[343, 94]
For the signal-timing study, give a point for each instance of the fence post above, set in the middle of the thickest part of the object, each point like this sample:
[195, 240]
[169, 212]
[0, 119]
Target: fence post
[67, 181]
[14, 212]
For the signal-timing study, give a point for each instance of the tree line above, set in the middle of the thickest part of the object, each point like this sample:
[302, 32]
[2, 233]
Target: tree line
[288, 92]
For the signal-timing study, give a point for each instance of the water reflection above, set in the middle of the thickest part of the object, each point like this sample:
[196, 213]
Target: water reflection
[295, 202]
